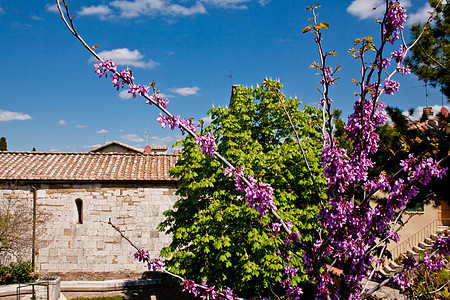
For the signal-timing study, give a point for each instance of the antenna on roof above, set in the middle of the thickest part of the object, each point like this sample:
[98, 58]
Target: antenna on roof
[146, 136]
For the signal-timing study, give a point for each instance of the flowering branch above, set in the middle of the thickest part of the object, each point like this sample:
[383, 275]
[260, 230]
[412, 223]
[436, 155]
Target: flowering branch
[202, 290]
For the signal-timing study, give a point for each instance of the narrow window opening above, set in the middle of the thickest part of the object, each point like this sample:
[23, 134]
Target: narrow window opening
[79, 204]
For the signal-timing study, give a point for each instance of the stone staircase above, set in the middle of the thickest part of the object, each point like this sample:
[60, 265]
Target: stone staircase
[415, 252]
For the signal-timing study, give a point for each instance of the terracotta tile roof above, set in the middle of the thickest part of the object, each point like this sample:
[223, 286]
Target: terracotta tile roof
[85, 166]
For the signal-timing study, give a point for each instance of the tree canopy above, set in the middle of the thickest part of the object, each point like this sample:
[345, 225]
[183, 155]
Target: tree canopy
[215, 235]
[430, 57]
[3, 144]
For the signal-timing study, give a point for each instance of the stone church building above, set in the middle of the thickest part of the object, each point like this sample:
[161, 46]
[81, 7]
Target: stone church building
[67, 200]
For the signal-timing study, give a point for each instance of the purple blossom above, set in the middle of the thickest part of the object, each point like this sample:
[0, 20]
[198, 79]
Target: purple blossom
[395, 18]
[134, 89]
[102, 67]
[442, 244]
[328, 79]
[402, 280]
[142, 256]
[399, 55]
[115, 81]
[206, 143]
[383, 64]
[144, 89]
[327, 101]
[289, 271]
[172, 121]
[190, 287]
[209, 293]
[258, 195]
[403, 70]
[276, 227]
[127, 77]
[188, 124]
[158, 100]
[391, 86]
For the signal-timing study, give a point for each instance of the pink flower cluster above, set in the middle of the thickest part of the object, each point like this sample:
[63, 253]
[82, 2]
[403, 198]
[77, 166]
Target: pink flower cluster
[292, 291]
[395, 18]
[152, 264]
[207, 293]
[158, 100]
[442, 245]
[176, 122]
[126, 77]
[206, 143]
[328, 76]
[432, 262]
[391, 86]
[382, 64]
[102, 67]
[258, 195]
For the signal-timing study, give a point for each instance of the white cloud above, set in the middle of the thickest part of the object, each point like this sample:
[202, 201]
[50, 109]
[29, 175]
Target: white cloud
[206, 120]
[52, 8]
[364, 9]
[166, 96]
[132, 138]
[6, 116]
[233, 4]
[136, 8]
[34, 17]
[186, 91]
[264, 2]
[125, 57]
[62, 123]
[125, 95]
[418, 111]
[90, 147]
[100, 10]
[162, 140]
[420, 16]
[103, 131]
[80, 126]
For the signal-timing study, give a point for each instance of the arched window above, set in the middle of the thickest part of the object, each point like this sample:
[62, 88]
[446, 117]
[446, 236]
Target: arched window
[79, 204]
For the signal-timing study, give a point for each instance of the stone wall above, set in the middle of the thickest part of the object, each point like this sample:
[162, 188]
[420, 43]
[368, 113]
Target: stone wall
[66, 245]
[16, 214]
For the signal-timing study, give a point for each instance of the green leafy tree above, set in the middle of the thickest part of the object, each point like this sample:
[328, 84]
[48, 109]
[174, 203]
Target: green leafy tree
[430, 57]
[3, 144]
[215, 235]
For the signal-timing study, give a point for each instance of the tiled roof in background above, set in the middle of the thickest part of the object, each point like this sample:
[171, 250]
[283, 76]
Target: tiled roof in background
[85, 166]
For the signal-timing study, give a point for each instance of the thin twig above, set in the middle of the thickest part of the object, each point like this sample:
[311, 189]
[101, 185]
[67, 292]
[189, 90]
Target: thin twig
[299, 144]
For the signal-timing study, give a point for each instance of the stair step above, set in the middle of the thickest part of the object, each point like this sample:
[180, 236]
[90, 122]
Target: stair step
[412, 253]
[395, 266]
[429, 241]
[385, 273]
[434, 236]
[418, 249]
[424, 245]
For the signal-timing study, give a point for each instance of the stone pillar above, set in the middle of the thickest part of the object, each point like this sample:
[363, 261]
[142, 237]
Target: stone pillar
[48, 288]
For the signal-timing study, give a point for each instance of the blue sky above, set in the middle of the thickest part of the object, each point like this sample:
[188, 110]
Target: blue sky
[51, 99]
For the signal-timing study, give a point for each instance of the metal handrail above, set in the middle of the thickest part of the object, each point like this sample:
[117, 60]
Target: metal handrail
[415, 239]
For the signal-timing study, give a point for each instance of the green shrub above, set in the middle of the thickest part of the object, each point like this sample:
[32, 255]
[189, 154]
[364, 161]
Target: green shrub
[17, 273]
